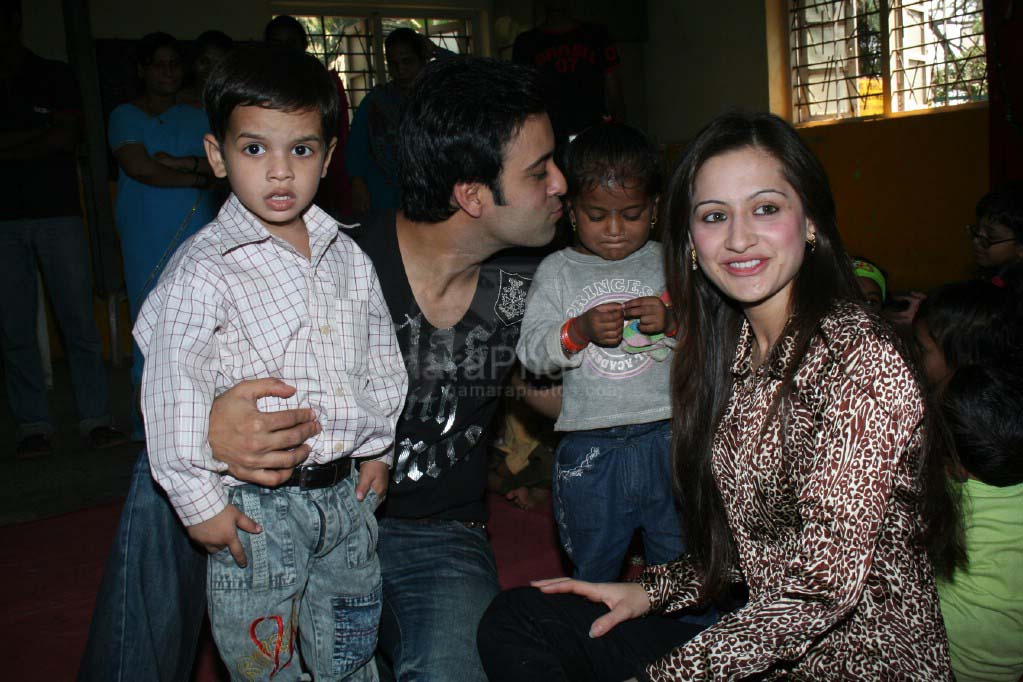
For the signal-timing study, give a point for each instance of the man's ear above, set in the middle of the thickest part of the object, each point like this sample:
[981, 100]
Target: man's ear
[214, 156]
[468, 196]
[331, 146]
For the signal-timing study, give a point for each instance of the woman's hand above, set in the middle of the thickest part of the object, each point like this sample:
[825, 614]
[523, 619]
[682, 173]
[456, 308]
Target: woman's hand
[259, 447]
[626, 600]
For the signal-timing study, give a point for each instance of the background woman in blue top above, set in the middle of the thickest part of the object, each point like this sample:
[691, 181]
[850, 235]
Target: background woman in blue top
[162, 191]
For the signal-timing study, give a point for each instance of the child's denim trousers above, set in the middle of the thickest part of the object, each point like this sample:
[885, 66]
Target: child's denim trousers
[607, 484]
[312, 575]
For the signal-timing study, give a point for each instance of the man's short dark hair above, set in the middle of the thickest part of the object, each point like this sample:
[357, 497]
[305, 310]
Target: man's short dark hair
[461, 115]
[273, 78]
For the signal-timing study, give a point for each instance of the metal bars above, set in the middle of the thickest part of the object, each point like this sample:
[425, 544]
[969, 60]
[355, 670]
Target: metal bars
[858, 58]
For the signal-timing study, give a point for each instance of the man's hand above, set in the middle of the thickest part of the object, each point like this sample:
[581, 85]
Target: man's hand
[222, 531]
[602, 324]
[372, 474]
[654, 317]
[259, 447]
[626, 600]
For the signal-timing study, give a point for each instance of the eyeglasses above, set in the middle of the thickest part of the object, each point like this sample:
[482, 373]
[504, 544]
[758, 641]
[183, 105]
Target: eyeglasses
[981, 238]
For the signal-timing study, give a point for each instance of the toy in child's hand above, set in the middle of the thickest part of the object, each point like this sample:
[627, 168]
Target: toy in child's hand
[635, 341]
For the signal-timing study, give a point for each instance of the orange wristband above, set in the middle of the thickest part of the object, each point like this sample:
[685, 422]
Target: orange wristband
[567, 344]
[666, 300]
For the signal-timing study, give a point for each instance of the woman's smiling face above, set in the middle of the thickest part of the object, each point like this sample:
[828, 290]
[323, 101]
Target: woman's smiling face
[749, 228]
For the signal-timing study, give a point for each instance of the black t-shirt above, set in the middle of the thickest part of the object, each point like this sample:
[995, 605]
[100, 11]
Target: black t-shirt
[47, 186]
[573, 64]
[457, 377]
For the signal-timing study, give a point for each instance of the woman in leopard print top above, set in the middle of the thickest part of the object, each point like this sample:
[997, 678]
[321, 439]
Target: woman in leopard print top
[799, 440]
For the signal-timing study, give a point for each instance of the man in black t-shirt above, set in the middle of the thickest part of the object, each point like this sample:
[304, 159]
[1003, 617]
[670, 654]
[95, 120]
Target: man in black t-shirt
[477, 177]
[40, 221]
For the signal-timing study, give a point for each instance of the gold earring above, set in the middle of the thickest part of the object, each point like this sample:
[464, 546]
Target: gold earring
[653, 220]
[692, 255]
[571, 219]
[811, 239]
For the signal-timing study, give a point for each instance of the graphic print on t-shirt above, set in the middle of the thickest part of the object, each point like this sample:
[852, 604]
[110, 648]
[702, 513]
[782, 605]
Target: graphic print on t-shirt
[455, 373]
[612, 363]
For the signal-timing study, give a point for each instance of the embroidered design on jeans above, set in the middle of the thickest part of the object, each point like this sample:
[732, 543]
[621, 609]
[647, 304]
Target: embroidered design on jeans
[269, 648]
[582, 467]
[563, 475]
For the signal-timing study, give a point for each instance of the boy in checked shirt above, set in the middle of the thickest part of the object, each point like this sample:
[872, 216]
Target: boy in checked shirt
[272, 288]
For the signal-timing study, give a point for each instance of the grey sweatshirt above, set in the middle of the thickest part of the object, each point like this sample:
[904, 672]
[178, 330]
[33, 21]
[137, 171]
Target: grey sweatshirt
[603, 387]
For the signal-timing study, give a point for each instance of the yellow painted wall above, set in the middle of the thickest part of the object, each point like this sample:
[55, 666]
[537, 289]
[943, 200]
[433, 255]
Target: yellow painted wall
[905, 187]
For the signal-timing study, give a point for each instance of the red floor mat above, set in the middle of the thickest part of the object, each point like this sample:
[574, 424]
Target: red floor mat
[51, 569]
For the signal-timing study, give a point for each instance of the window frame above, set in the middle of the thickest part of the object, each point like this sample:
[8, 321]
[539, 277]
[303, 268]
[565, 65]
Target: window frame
[375, 15]
[781, 69]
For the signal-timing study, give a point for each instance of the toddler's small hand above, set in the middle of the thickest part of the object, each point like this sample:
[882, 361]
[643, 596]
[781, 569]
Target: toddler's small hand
[222, 531]
[372, 474]
[602, 324]
[651, 312]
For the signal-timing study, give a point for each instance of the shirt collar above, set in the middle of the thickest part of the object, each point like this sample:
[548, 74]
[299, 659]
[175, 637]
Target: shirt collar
[239, 227]
[777, 365]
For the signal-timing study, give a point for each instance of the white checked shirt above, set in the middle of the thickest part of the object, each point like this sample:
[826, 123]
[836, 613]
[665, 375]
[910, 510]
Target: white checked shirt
[237, 303]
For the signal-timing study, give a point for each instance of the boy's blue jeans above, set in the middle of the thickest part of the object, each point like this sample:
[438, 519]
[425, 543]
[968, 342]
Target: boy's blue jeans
[149, 610]
[312, 576]
[607, 484]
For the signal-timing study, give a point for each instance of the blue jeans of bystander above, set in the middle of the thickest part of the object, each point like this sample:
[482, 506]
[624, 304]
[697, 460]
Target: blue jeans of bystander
[145, 626]
[62, 252]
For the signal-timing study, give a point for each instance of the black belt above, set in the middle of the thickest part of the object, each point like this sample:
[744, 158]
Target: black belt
[313, 476]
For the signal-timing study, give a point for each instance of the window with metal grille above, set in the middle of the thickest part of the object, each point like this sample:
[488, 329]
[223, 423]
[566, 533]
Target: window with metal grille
[354, 45]
[854, 58]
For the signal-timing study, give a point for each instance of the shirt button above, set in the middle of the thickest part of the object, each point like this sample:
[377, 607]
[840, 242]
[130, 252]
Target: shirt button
[339, 447]
[325, 329]
[339, 391]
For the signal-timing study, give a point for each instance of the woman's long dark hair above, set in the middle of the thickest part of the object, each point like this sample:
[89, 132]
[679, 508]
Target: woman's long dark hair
[701, 371]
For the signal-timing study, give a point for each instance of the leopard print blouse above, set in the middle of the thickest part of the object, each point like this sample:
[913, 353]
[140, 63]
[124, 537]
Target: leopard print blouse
[823, 504]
